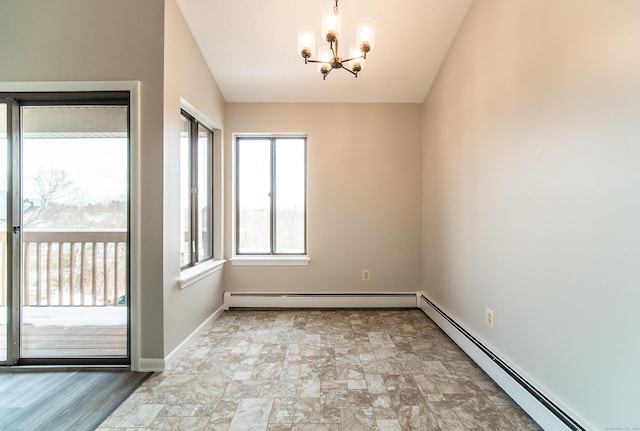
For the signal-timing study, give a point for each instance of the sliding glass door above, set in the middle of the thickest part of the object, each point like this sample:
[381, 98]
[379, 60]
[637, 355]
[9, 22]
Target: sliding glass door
[71, 230]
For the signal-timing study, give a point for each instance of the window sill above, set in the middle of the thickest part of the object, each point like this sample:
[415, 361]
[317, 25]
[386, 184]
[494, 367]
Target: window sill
[198, 272]
[271, 260]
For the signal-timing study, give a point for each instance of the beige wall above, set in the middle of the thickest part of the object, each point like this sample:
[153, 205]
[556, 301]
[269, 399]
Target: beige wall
[363, 196]
[185, 76]
[123, 40]
[531, 151]
[104, 40]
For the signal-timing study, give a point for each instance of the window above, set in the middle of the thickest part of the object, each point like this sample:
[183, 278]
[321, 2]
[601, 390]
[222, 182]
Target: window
[271, 196]
[196, 192]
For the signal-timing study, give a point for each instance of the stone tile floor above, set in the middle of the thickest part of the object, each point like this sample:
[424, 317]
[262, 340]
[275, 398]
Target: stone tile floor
[325, 370]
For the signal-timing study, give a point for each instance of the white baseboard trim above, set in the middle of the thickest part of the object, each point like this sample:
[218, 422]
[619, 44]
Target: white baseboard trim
[539, 407]
[318, 300]
[180, 347]
[159, 365]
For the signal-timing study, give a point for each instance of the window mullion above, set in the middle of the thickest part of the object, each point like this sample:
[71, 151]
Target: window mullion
[273, 196]
[193, 163]
[237, 197]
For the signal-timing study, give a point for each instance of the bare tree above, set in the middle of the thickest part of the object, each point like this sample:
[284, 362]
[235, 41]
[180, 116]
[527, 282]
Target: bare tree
[55, 195]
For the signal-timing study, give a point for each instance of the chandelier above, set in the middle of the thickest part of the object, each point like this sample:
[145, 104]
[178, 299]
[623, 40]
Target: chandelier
[328, 56]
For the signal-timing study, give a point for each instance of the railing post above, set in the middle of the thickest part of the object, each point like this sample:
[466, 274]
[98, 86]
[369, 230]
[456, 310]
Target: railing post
[115, 272]
[48, 273]
[38, 275]
[26, 300]
[60, 275]
[93, 273]
[105, 294]
[82, 289]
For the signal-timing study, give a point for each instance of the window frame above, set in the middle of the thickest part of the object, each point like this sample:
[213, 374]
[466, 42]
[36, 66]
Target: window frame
[271, 257]
[194, 216]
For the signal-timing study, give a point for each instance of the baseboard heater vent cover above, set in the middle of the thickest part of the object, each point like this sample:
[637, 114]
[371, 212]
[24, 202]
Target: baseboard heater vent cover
[472, 346]
[318, 300]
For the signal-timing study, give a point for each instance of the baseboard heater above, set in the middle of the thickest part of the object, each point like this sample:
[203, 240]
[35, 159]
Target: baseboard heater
[318, 300]
[558, 413]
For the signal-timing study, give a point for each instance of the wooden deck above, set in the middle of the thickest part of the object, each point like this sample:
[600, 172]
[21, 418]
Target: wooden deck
[73, 341]
[67, 332]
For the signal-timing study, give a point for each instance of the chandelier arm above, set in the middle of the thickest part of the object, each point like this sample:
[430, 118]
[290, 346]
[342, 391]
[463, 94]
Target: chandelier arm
[351, 59]
[315, 61]
[350, 71]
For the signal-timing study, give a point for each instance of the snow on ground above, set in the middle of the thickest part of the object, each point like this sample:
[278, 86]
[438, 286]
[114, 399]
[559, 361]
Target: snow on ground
[71, 316]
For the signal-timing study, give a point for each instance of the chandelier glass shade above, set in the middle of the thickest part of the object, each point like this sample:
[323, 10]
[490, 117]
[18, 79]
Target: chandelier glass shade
[328, 57]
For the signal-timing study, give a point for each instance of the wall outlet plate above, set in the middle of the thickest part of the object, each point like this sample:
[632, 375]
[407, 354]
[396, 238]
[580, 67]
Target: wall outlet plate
[489, 317]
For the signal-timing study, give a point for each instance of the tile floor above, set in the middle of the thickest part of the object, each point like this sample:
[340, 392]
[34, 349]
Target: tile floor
[328, 370]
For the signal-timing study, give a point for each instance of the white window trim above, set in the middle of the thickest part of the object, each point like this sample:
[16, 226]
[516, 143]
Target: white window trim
[196, 273]
[285, 260]
[272, 259]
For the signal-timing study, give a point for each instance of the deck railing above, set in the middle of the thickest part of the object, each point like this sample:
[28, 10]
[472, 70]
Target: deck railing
[72, 268]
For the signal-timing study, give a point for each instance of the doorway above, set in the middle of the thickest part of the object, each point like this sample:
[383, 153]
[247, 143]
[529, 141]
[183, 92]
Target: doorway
[64, 228]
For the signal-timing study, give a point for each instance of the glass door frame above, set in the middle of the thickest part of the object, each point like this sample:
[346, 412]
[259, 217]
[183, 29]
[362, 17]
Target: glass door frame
[14, 101]
[14, 279]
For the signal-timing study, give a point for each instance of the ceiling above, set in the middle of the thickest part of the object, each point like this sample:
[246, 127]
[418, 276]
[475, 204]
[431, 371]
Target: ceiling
[251, 48]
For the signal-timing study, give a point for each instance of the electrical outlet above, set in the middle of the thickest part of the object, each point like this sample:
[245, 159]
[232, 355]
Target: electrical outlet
[489, 317]
[365, 275]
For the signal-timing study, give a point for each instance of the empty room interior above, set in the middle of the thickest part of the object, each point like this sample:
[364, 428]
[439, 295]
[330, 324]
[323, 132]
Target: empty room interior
[474, 167]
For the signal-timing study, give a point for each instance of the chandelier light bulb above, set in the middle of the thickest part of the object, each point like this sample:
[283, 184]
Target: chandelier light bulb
[324, 61]
[366, 35]
[331, 23]
[306, 41]
[357, 64]
[324, 55]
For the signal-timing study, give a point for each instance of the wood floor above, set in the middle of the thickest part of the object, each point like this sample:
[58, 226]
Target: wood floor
[62, 400]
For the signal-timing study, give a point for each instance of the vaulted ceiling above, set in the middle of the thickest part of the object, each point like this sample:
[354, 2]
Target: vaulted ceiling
[251, 48]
